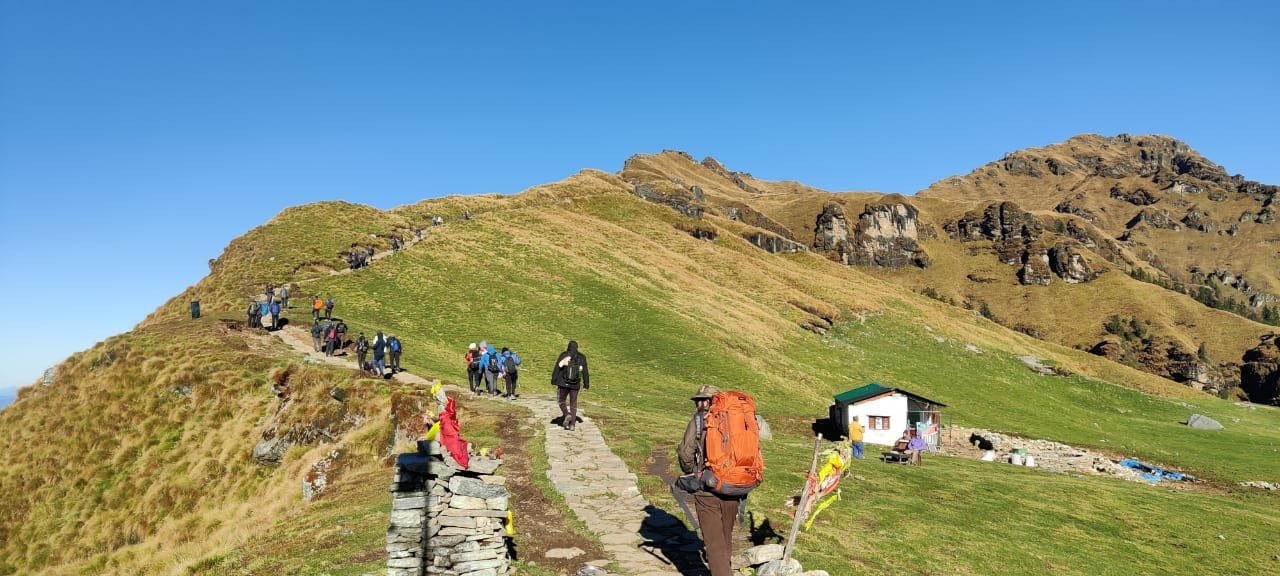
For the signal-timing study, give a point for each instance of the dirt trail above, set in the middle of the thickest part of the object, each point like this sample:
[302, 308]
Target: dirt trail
[642, 539]
[409, 243]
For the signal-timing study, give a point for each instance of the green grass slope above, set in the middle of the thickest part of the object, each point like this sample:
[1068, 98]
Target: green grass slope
[660, 312]
[108, 471]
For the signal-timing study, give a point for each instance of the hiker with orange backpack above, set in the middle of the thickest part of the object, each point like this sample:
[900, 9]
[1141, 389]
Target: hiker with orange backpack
[720, 456]
[316, 306]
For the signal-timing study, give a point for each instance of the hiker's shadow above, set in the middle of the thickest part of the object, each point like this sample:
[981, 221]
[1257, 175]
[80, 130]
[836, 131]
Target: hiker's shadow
[559, 420]
[762, 533]
[667, 538]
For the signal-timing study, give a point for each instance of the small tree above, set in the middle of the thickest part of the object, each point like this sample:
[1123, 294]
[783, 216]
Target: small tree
[986, 312]
[1203, 353]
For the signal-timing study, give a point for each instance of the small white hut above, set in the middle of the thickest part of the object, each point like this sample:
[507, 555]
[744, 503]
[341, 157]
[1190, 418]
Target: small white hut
[885, 412]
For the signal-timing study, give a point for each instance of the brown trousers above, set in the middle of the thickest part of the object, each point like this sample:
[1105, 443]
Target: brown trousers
[716, 516]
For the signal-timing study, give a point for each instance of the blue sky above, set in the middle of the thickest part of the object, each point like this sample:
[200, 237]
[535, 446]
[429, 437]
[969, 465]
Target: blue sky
[138, 138]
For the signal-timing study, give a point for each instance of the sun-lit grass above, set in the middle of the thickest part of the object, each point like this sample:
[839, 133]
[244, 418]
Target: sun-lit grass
[117, 469]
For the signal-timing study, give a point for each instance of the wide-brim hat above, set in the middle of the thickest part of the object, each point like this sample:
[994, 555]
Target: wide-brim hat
[705, 392]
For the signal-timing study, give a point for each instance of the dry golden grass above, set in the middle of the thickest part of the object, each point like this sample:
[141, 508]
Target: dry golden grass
[138, 457]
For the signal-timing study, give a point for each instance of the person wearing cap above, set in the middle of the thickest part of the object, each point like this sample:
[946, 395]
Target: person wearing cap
[716, 513]
[473, 368]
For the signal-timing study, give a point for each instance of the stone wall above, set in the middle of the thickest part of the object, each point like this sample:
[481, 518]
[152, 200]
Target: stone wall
[446, 520]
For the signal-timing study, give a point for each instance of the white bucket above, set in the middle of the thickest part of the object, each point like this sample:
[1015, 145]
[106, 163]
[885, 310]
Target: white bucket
[1031, 461]
[989, 456]
[1015, 459]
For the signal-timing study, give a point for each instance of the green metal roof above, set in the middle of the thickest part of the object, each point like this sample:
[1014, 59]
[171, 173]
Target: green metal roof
[872, 390]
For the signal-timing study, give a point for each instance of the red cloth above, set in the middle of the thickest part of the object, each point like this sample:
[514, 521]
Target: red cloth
[449, 436]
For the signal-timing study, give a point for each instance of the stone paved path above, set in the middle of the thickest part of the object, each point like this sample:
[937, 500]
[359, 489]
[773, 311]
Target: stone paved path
[594, 481]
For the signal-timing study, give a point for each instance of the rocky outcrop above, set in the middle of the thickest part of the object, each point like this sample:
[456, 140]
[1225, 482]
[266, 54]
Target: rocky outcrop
[1199, 220]
[685, 201]
[886, 235]
[831, 231]
[1155, 219]
[774, 244]
[1090, 238]
[736, 177]
[1070, 207]
[1070, 265]
[1035, 266]
[739, 212]
[1139, 197]
[1014, 235]
[1166, 358]
[1260, 371]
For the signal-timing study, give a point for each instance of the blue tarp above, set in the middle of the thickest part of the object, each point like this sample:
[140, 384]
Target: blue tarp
[1152, 474]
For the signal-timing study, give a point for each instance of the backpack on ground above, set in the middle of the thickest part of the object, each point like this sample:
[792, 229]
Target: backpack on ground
[733, 465]
[511, 364]
[493, 363]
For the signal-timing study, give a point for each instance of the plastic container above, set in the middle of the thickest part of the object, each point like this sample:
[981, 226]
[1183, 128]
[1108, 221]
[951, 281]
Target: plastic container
[1016, 459]
[1031, 462]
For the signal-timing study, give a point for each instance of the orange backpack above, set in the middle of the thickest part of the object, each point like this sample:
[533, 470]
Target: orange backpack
[733, 462]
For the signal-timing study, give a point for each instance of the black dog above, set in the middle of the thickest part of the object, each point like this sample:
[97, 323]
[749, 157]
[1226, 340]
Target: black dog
[981, 442]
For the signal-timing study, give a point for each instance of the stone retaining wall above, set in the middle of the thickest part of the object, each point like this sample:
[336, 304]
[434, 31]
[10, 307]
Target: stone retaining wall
[446, 520]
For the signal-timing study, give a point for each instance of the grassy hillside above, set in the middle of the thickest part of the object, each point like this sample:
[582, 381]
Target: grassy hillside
[139, 460]
[138, 456]
[1087, 185]
[660, 312]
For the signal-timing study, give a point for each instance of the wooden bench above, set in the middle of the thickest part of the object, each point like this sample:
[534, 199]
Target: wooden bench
[895, 457]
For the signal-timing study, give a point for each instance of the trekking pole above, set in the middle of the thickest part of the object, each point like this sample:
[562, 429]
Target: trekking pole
[804, 501]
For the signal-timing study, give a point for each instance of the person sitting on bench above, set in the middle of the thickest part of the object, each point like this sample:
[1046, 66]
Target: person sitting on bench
[900, 451]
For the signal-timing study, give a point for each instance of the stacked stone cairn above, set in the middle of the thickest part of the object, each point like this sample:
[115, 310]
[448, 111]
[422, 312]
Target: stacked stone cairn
[447, 520]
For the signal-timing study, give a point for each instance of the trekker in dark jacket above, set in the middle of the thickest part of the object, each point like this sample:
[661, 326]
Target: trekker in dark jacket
[362, 349]
[568, 376]
[253, 313]
[510, 371]
[473, 368]
[380, 354]
[316, 331]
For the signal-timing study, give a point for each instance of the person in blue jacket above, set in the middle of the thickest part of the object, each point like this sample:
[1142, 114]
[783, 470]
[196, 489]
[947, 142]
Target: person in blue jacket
[264, 311]
[275, 314]
[510, 371]
[490, 366]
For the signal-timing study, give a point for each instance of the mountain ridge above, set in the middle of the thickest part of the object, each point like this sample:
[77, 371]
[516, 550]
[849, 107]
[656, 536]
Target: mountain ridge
[177, 446]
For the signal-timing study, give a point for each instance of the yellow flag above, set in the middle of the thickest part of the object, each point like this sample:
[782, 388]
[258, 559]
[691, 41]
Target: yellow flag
[511, 524]
[431, 434]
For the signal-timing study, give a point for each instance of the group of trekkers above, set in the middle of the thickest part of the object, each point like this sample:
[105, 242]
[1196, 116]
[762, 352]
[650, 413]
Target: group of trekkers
[271, 306]
[328, 336]
[486, 365]
[383, 348]
[359, 257]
